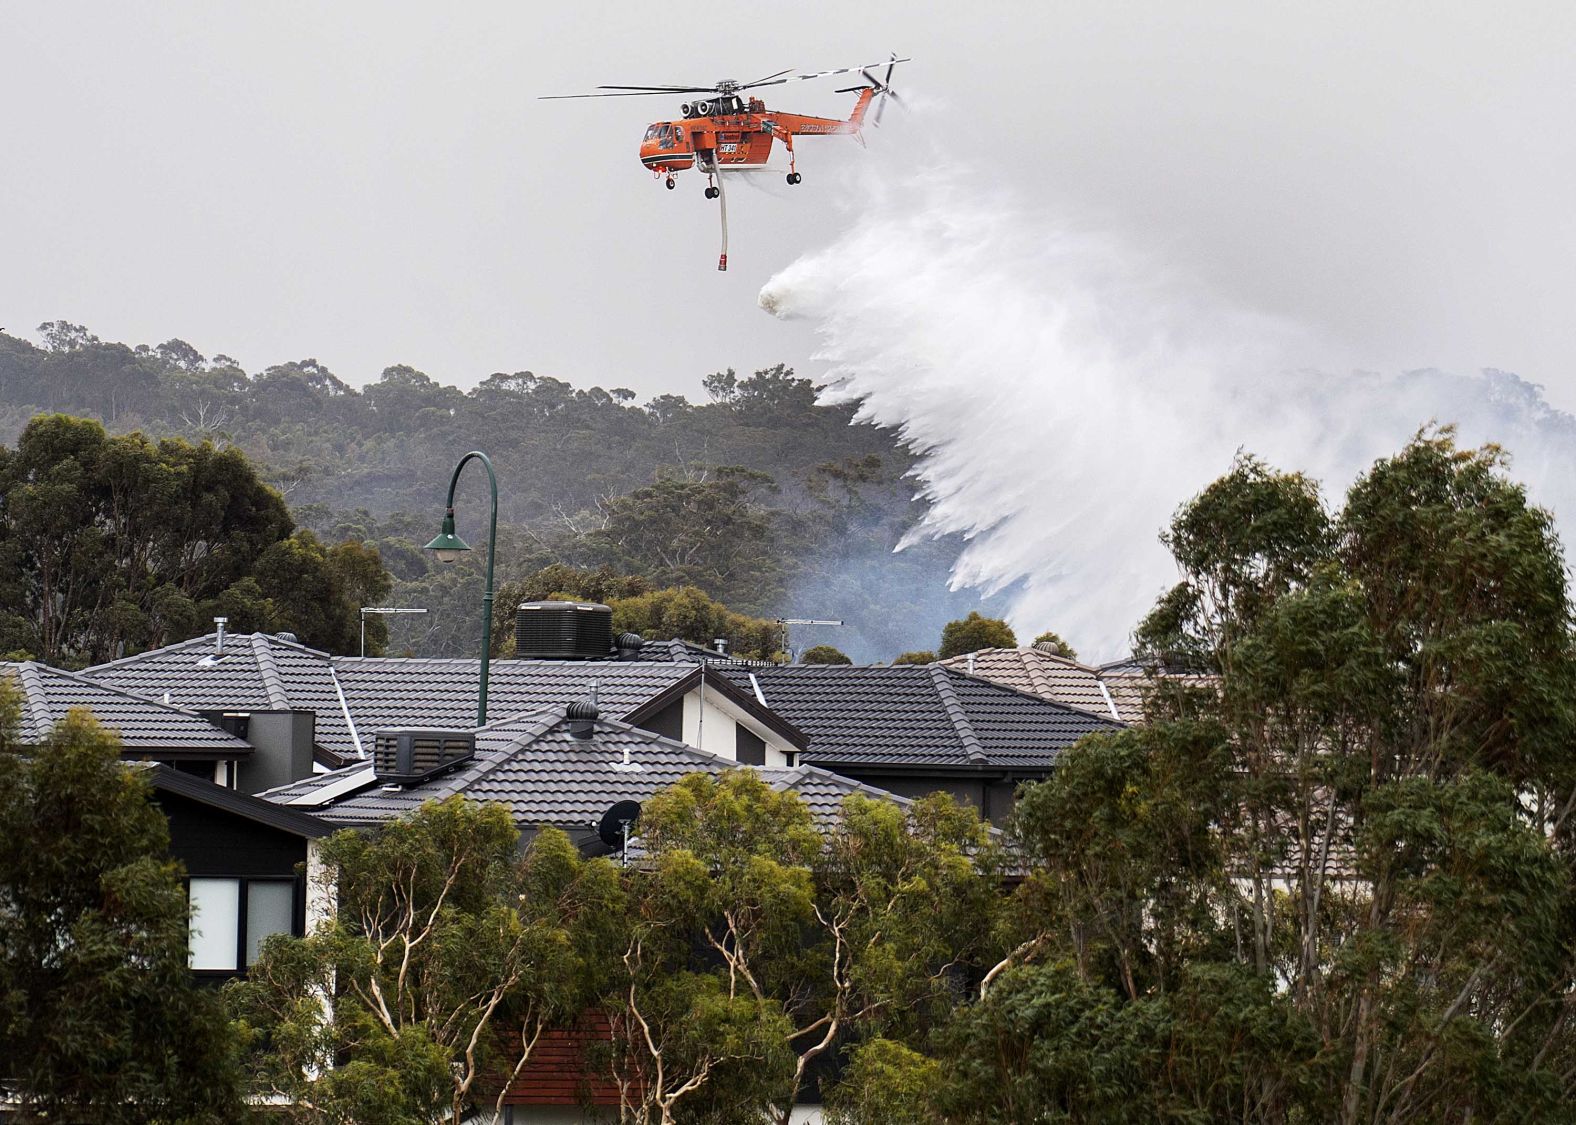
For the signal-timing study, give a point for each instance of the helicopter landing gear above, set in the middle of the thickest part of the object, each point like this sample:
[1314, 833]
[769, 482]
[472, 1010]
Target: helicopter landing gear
[712, 193]
[671, 184]
[794, 177]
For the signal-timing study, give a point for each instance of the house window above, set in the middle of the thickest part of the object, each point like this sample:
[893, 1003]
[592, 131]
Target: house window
[230, 918]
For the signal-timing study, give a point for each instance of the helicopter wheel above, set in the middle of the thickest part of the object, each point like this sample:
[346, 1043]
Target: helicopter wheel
[793, 177]
[671, 184]
[712, 193]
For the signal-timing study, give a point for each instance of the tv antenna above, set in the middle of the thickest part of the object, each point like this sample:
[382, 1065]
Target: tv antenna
[613, 828]
[784, 622]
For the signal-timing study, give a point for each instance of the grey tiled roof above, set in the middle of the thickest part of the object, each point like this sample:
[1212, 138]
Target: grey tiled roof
[920, 715]
[544, 775]
[403, 692]
[256, 672]
[917, 714]
[144, 726]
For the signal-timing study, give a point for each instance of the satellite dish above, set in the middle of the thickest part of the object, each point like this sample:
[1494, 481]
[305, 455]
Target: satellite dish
[617, 823]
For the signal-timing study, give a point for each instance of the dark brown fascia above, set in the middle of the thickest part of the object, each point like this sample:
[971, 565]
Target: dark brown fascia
[243, 805]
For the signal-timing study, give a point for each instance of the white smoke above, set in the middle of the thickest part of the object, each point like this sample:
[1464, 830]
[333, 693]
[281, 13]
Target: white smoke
[1067, 394]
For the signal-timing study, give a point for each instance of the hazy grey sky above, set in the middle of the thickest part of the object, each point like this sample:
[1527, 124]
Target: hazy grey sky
[376, 183]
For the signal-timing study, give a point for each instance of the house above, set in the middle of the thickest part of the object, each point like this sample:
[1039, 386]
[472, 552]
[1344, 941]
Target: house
[149, 731]
[350, 698]
[246, 859]
[915, 729]
[905, 729]
[565, 767]
[561, 766]
[252, 868]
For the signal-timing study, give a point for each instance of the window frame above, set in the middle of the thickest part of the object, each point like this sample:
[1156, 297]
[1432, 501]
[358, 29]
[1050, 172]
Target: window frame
[243, 905]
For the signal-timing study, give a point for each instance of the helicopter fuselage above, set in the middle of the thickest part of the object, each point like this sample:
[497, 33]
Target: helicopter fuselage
[738, 138]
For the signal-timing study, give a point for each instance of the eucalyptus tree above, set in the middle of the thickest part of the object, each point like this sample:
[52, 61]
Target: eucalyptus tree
[823, 934]
[447, 959]
[1332, 879]
[100, 1017]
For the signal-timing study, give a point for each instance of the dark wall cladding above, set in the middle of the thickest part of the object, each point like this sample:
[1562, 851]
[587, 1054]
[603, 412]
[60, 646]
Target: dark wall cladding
[749, 747]
[211, 842]
[668, 722]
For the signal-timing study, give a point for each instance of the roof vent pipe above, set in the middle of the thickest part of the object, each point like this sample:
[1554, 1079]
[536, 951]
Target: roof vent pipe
[721, 645]
[220, 623]
[971, 663]
[582, 715]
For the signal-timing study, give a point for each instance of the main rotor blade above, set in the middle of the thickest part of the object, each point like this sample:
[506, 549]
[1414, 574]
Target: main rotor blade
[768, 78]
[630, 94]
[842, 70]
[665, 89]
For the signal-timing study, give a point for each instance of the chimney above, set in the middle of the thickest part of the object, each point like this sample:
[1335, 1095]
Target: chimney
[971, 663]
[721, 645]
[220, 623]
[582, 715]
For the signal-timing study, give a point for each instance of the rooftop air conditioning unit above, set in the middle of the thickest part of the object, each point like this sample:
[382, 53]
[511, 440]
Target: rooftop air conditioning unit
[563, 631]
[411, 754]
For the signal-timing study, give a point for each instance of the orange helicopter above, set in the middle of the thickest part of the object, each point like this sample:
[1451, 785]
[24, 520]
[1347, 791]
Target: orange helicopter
[724, 132]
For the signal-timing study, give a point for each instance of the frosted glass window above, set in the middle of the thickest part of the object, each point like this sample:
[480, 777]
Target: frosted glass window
[270, 909]
[216, 923]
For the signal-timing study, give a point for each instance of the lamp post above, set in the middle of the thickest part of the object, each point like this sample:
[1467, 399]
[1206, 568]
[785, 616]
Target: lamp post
[383, 609]
[448, 547]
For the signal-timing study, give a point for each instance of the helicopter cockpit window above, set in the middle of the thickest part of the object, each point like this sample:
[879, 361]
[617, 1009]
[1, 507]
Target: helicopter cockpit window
[651, 133]
[665, 137]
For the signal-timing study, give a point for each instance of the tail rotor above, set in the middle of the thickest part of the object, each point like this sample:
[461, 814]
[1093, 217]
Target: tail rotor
[882, 86]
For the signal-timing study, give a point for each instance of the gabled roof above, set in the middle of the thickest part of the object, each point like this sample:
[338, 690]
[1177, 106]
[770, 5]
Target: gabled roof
[255, 671]
[354, 697]
[544, 775]
[1049, 676]
[145, 727]
[391, 692]
[924, 715]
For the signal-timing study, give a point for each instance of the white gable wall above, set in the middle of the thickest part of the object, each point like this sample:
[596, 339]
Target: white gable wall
[711, 723]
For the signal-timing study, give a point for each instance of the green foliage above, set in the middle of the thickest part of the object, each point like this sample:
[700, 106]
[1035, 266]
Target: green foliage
[110, 545]
[860, 928]
[1053, 643]
[823, 654]
[1333, 881]
[974, 632]
[922, 656]
[710, 532]
[369, 465]
[100, 1017]
[683, 613]
[448, 957]
[889, 1082]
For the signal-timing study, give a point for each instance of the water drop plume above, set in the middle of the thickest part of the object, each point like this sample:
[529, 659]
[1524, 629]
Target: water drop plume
[1066, 393]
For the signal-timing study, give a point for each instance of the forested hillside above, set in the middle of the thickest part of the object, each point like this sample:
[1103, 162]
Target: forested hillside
[757, 495]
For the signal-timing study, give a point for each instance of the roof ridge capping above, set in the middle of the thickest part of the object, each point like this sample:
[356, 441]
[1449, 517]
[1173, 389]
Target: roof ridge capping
[972, 746]
[268, 670]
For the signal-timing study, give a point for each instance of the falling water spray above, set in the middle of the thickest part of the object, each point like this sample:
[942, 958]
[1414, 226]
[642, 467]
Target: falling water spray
[1065, 394]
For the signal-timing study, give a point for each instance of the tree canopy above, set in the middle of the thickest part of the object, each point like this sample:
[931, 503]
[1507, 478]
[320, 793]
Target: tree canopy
[113, 544]
[1331, 880]
[974, 632]
[804, 506]
[100, 1017]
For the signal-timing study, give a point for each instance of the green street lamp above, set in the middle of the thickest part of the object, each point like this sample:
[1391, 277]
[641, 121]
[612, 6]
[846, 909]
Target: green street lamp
[449, 547]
